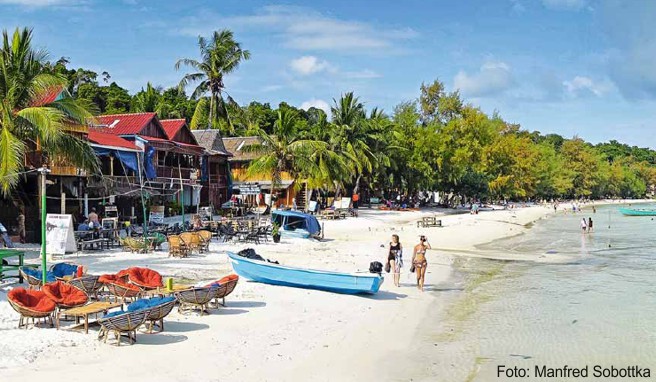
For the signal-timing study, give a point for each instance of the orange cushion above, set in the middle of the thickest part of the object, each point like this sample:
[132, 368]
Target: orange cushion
[64, 294]
[107, 279]
[123, 273]
[145, 277]
[126, 285]
[31, 299]
[228, 278]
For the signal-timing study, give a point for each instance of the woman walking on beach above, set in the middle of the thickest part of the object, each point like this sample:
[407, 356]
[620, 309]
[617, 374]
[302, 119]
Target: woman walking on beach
[419, 260]
[395, 258]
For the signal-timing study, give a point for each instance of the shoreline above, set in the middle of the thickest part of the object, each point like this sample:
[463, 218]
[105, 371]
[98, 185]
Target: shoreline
[288, 334]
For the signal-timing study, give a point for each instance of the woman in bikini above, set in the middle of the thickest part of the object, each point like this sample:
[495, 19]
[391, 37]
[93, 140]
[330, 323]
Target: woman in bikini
[395, 258]
[419, 260]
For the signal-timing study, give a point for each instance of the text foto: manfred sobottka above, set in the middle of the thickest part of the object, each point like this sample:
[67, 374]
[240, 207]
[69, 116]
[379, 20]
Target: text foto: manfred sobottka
[565, 371]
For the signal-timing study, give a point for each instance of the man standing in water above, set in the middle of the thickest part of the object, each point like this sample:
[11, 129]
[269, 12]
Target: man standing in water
[584, 225]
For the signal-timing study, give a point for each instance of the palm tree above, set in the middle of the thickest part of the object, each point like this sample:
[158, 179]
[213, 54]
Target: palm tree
[351, 136]
[219, 57]
[28, 114]
[286, 151]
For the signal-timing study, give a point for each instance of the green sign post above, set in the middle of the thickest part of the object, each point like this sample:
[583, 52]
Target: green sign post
[44, 271]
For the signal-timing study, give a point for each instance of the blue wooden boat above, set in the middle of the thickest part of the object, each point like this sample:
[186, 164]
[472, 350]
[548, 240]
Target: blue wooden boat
[296, 224]
[268, 273]
[637, 212]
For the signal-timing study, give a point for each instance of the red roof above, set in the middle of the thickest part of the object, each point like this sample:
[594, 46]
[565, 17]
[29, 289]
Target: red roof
[106, 139]
[47, 96]
[172, 126]
[120, 124]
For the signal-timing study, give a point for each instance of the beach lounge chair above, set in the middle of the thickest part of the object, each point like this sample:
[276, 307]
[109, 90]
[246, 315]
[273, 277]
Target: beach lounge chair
[64, 271]
[135, 245]
[122, 323]
[64, 295]
[123, 290]
[31, 304]
[145, 278]
[33, 277]
[155, 240]
[178, 247]
[192, 240]
[206, 237]
[89, 284]
[225, 286]
[195, 298]
[157, 307]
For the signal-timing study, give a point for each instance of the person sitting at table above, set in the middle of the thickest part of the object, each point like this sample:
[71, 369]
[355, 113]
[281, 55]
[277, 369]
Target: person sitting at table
[84, 226]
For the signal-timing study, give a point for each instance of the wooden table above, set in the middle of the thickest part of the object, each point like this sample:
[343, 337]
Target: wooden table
[165, 292]
[7, 253]
[86, 310]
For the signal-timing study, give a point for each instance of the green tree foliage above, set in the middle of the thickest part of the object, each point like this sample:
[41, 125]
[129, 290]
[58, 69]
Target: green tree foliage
[28, 114]
[219, 56]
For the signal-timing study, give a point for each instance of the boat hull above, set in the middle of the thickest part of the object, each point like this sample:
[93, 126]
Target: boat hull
[275, 274]
[632, 212]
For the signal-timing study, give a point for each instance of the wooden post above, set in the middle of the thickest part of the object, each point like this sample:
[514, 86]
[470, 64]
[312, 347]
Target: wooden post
[111, 165]
[63, 195]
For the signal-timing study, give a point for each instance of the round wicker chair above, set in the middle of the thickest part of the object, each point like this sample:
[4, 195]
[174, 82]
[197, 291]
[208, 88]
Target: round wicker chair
[157, 307]
[31, 304]
[64, 271]
[226, 285]
[122, 323]
[123, 291]
[65, 295]
[88, 284]
[195, 298]
[33, 277]
[145, 278]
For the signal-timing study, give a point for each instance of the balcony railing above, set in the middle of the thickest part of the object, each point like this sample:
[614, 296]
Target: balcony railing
[58, 166]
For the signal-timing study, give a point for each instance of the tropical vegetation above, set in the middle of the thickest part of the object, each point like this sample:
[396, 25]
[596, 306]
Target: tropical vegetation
[436, 142]
[36, 111]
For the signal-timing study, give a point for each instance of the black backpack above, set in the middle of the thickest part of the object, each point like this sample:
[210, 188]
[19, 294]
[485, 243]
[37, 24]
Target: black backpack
[376, 267]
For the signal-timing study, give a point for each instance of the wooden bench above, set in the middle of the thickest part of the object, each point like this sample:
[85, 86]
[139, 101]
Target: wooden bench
[429, 221]
[7, 253]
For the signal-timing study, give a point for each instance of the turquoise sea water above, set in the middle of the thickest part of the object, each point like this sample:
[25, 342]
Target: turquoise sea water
[598, 309]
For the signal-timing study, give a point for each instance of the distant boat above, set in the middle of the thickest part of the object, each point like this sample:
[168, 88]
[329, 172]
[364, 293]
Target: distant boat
[638, 212]
[296, 224]
[269, 273]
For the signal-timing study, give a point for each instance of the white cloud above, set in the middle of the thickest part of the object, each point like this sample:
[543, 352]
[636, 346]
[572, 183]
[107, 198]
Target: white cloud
[581, 85]
[309, 65]
[492, 78]
[305, 29]
[317, 103]
[517, 6]
[564, 4]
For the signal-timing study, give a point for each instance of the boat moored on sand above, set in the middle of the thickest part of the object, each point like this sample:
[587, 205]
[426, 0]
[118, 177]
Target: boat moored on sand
[276, 274]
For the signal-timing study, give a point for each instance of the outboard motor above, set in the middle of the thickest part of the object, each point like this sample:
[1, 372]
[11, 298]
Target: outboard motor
[376, 267]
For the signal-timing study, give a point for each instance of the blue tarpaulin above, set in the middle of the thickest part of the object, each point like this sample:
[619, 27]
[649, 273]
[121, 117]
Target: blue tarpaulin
[148, 163]
[293, 220]
[127, 158]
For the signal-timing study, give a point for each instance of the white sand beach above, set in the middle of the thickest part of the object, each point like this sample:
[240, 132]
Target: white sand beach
[271, 333]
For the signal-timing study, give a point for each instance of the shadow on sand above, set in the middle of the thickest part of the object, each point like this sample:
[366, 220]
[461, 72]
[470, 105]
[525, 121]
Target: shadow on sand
[182, 327]
[245, 304]
[228, 311]
[386, 295]
[159, 339]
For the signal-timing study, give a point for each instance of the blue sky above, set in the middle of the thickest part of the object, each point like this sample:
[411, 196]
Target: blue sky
[572, 67]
